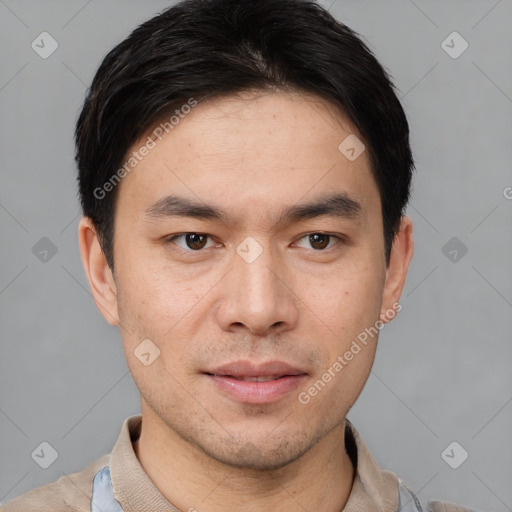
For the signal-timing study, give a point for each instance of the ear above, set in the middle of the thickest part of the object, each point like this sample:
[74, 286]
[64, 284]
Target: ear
[396, 272]
[98, 272]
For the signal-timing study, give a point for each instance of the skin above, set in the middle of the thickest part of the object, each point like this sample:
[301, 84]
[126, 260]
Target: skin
[251, 154]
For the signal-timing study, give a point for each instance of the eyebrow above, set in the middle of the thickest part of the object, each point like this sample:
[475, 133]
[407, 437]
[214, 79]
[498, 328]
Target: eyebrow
[340, 205]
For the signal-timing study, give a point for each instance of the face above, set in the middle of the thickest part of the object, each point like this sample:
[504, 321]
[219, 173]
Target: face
[249, 254]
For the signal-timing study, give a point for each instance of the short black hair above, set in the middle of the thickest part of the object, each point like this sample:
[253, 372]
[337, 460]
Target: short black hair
[200, 49]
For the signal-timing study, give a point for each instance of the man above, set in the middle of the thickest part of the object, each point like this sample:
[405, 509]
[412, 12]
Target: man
[244, 168]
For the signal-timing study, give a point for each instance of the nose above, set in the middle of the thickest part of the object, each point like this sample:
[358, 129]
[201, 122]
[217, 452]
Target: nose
[258, 296]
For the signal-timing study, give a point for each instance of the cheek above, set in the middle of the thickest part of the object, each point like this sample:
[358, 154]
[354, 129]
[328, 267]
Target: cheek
[352, 378]
[158, 304]
[155, 296]
[348, 301]
[336, 387]
[349, 305]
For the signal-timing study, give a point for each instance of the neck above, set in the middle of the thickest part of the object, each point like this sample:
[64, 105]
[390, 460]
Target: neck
[321, 479]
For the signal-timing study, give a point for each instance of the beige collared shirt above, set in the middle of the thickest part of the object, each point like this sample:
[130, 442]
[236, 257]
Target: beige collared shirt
[117, 482]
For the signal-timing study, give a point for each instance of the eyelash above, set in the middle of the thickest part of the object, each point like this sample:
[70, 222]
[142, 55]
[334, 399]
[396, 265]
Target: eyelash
[338, 237]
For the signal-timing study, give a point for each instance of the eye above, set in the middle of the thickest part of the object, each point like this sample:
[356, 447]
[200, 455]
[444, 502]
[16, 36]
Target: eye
[321, 241]
[193, 241]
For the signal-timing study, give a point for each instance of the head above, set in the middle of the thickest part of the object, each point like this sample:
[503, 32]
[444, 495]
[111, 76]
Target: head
[244, 169]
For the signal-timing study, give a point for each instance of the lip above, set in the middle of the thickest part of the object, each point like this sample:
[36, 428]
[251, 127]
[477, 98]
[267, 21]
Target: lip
[228, 380]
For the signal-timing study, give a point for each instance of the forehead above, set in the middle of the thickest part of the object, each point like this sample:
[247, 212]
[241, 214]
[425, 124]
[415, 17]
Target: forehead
[248, 151]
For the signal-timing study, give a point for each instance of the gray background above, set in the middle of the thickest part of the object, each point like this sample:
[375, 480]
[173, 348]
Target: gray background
[442, 372]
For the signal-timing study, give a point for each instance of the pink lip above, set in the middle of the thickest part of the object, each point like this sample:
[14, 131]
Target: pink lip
[228, 379]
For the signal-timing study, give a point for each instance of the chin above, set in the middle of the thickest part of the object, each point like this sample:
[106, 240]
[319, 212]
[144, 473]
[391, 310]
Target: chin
[264, 453]
[250, 456]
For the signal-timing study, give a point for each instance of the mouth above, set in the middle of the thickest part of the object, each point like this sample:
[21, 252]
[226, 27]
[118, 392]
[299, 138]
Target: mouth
[260, 378]
[256, 384]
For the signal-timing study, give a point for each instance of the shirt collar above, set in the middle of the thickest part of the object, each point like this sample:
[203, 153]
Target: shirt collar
[131, 484]
[373, 489]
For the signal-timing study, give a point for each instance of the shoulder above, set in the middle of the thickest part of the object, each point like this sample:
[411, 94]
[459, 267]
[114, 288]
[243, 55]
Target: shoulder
[442, 506]
[408, 502]
[70, 493]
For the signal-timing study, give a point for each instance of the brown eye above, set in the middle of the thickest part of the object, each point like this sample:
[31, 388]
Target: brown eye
[193, 242]
[320, 241]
